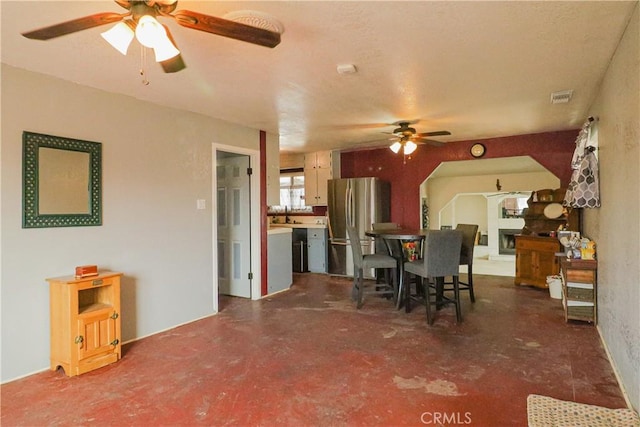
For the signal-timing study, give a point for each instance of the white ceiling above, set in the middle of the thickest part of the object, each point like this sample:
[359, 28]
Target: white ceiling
[478, 69]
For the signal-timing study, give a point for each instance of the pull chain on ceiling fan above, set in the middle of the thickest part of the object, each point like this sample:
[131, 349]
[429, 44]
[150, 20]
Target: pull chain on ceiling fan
[140, 22]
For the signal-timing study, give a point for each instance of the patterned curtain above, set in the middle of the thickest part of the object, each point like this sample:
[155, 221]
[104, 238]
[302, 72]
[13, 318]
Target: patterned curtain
[584, 188]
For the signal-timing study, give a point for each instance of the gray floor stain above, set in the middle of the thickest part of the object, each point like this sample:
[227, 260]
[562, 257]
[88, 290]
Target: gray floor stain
[389, 334]
[439, 387]
[473, 373]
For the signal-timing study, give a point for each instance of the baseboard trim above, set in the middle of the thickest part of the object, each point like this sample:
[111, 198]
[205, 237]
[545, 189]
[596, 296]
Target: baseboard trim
[615, 369]
[169, 328]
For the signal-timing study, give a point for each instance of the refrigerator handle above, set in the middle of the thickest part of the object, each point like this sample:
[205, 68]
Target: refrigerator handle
[347, 204]
[329, 220]
[368, 203]
[352, 220]
[329, 227]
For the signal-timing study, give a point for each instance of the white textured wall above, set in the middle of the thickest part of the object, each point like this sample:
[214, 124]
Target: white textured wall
[615, 226]
[156, 162]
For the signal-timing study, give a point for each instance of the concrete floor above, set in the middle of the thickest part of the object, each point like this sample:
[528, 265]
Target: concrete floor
[504, 266]
[307, 357]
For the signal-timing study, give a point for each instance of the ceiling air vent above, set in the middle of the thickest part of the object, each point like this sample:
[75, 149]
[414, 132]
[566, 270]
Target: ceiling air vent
[256, 19]
[561, 97]
[346, 69]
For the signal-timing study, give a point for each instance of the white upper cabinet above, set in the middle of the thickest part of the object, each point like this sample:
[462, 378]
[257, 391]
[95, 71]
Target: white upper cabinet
[319, 167]
[273, 169]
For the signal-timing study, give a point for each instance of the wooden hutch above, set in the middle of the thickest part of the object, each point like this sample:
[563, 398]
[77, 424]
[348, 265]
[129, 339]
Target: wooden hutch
[536, 249]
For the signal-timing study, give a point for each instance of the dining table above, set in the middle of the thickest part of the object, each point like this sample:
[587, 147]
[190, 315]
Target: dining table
[401, 235]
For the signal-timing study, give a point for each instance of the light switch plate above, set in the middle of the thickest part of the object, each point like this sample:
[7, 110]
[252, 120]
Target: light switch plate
[201, 204]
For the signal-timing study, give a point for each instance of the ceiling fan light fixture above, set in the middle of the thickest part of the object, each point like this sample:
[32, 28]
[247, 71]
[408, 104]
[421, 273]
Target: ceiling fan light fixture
[119, 36]
[149, 31]
[165, 50]
[396, 146]
[410, 147]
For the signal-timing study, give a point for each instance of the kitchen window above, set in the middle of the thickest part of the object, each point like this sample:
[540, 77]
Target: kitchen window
[292, 193]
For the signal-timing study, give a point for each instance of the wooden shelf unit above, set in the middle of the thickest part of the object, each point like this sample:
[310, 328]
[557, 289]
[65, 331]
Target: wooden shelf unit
[85, 322]
[580, 289]
[536, 223]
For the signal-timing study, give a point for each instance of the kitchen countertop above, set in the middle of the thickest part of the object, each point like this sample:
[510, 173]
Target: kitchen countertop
[279, 230]
[302, 225]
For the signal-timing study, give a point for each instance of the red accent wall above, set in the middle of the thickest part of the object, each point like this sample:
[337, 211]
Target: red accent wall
[553, 150]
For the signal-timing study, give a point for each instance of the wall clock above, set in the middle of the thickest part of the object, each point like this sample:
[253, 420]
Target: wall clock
[478, 150]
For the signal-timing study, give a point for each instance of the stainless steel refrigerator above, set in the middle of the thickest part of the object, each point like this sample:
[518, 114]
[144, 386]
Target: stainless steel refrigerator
[359, 202]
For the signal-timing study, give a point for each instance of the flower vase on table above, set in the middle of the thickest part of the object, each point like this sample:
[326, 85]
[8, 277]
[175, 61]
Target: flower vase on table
[410, 251]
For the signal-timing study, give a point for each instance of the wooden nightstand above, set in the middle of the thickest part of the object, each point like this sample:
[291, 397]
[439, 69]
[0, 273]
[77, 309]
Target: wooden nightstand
[85, 322]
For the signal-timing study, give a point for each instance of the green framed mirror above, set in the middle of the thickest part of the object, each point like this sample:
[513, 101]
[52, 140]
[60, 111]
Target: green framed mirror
[61, 181]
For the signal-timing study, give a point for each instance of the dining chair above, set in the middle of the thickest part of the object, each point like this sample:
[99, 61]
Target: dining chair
[393, 247]
[381, 246]
[469, 234]
[365, 261]
[441, 258]
[385, 225]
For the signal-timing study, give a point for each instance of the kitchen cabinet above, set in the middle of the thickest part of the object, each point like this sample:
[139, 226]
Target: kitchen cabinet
[580, 289]
[317, 250]
[309, 247]
[319, 167]
[272, 165]
[536, 259]
[85, 322]
[279, 272]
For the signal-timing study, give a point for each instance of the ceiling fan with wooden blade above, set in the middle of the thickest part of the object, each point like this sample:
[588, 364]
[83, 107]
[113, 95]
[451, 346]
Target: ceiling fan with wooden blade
[226, 28]
[74, 25]
[140, 18]
[407, 133]
[406, 139]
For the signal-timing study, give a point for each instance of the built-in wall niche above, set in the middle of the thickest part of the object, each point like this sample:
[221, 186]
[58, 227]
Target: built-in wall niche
[513, 206]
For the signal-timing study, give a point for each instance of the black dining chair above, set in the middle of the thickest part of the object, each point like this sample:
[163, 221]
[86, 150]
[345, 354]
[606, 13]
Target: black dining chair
[393, 247]
[366, 261]
[441, 258]
[469, 234]
[383, 247]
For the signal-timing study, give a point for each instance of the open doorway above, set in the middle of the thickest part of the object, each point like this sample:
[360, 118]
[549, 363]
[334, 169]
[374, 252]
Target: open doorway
[475, 192]
[236, 222]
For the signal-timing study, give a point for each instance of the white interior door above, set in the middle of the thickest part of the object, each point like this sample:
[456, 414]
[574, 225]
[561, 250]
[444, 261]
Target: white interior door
[234, 231]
